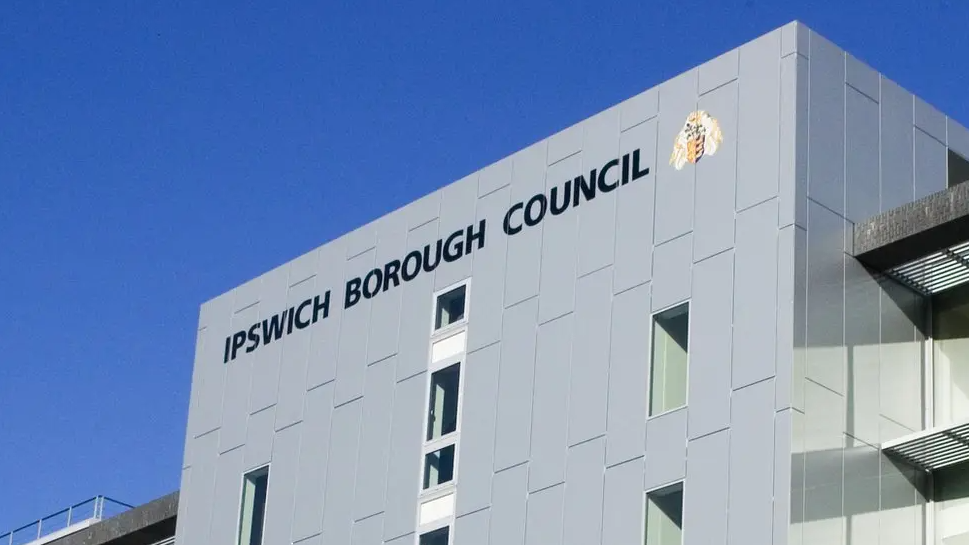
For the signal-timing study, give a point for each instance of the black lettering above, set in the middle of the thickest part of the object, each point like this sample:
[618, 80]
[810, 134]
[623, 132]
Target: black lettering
[324, 306]
[238, 341]
[225, 355]
[289, 322]
[509, 230]
[353, 293]
[637, 174]
[625, 169]
[588, 189]
[253, 338]
[272, 329]
[390, 273]
[409, 273]
[471, 237]
[566, 192]
[428, 266]
[300, 324]
[452, 251]
[603, 186]
[530, 219]
[376, 274]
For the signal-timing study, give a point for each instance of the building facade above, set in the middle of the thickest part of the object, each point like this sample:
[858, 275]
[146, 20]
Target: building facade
[664, 324]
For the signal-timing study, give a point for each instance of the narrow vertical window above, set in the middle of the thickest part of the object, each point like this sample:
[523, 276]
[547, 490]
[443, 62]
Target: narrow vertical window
[442, 417]
[450, 307]
[254, 487]
[670, 359]
[436, 537]
[664, 516]
[439, 467]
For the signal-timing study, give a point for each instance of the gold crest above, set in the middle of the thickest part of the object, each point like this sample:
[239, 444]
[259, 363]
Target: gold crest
[700, 136]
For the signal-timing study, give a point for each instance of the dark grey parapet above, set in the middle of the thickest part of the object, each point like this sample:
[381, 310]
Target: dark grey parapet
[914, 230]
[141, 525]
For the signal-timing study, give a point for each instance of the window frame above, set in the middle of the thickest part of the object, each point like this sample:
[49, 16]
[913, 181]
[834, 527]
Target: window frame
[689, 343]
[447, 522]
[652, 491]
[428, 447]
[242, 490]
[453, 327]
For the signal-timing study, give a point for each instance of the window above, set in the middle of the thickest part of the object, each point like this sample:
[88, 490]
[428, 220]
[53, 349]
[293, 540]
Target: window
[439, 467]
[958, 169]
[254, 486]
[670, 359]
[442, 417]
[664, 516]
[450, 307]
[436, 537]
[950, 324]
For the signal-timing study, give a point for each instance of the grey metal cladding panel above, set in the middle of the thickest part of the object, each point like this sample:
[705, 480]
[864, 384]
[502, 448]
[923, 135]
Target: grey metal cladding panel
[957, 138]
[901, 356]
[488, 270]
[224, 505]
[755, 280]
[259, 438]
[206, 414]
[472, 529]
[782, 475]
[793, 141]
[597, 218]
[495, 176]
[665, 449]
[757, 142]
[862, 338]
[515, 380]
[368, 531]
[634, 213]
[584, 493]
[565, 143]
[799, 363]
[312, 540]
[861, 166]
[639, 108]
[192, 420]
[719, 71]
[385, 312]
[674, 188]
[408, 539]
[525, 249]
[716, 179]
[628, 368]
[930, 120]
[325, 334]
[417, 310]
[550, 408]
[795, 38]
[589, 386]
[458, 201]
[423, 210]
[931, 161]
[378, 403]
[478, 429]
[403, 476]
[671, 272]
[201, 493]
[281, 495]
[508, 510]
[342, 472]
[896, 143]
[265, 361]
[824, 425]
[354, 336]
[559, 248]
[313, 462]
[622, 504]
[361, 239]
[825, 303]
[784, 362]
[862, 77]
[862, 474]
[750, 508]
[543, 524]
[705, 498]
[826, 110]
[296, 354]
[711, 315]
[304, 267]
[184, 502]
[238, 378]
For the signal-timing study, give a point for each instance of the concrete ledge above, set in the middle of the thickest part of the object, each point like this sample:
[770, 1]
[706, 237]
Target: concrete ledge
[141, 525]
[914, 230]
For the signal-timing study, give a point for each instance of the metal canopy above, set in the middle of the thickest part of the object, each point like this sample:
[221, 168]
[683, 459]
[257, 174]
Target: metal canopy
[935, 272]
[933, 449]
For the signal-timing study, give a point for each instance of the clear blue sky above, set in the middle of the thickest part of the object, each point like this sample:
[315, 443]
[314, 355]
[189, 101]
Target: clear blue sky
[156, 154]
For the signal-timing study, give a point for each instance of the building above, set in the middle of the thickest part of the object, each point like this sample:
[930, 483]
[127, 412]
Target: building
[731, 309]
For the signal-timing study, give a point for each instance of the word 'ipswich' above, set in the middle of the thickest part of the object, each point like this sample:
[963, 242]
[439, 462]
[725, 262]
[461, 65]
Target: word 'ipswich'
[273, 328]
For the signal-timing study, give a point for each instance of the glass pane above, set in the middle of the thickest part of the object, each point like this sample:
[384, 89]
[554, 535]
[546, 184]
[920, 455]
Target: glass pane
[951, 355]
[669, 364]
[254, 488]
[450, 307]
[443, 402]
[437, 537]
[664, 516]
[439, 467]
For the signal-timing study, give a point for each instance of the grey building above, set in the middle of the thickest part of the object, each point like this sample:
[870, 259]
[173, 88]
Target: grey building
[727, 310]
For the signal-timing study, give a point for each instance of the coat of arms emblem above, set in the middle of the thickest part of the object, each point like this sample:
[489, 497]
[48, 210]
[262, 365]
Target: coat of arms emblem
[700, 136]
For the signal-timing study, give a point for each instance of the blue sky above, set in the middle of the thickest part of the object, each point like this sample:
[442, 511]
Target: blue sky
[156, 154]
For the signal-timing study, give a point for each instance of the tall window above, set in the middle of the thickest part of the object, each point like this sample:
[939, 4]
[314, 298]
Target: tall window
[435, 537]
[442, 425]
[670, 359]
[450, 307]
[950, 324]
[254, 487]
[664, 516]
